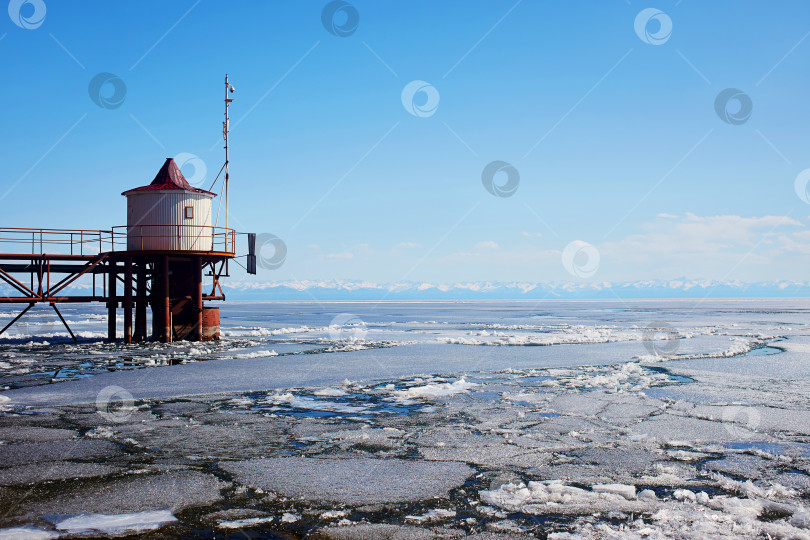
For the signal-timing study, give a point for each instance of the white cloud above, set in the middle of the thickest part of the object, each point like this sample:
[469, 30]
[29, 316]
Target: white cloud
[687, 246]
[710, 247]
[409, 245]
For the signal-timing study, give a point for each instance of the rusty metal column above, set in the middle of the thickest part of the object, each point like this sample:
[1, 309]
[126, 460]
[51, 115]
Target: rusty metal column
[198, 299]
[128, 299]
[166, 306]
[112, 301]
[140, 304]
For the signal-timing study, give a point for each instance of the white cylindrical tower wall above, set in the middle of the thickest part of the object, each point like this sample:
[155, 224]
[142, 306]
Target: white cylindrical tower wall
[169, 220]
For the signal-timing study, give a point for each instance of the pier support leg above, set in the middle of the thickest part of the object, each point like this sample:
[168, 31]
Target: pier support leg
[128, 300]
[140, 305]
[112, 301]
[75, 340]
[198, 300]
[166, 306]
[17, 318]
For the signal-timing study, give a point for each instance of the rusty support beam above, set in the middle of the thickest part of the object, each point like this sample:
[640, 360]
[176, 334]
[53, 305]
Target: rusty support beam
[140, 305]
[40, 271]
[65, 323]
[17, 318]
[165, 300]
[112, 302]
[65, 299]
[56, 268]
[198, 299]
[15, 283]
[128, 299]
[70, 279]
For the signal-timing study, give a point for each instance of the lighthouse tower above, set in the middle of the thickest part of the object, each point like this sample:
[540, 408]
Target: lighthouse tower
[170, 242]
[169, 214]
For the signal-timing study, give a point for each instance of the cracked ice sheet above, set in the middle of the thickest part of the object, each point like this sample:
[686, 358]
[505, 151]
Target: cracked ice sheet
[175, 490]
[281, 372]
[589, 429]
[351, 480]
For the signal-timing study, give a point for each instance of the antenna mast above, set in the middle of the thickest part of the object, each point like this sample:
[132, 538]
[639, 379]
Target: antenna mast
[226, 128]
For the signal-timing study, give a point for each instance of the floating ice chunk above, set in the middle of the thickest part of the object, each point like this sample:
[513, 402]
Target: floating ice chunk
[516, 496]
[684, 455]
[685, 495]
[629, 377]
[489, 511]
[628, 492]
[506, 526]
[242, 331]
[27, 533]
[289, 517]
[648, 494]
[299, 402]
[435, 390]
[330, 392]
[257, 354]
[334, 514]
[244, 523]
[113, 523]
[739, 346]
[101, 432]
[751, 490]
[278, 399]
[553, 495]
[526, 397]
[436, 514]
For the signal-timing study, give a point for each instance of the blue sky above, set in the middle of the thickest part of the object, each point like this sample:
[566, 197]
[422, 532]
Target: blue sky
[616, 141]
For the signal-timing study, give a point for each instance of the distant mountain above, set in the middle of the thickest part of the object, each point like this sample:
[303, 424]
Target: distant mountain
[364, 290]
[347, 290]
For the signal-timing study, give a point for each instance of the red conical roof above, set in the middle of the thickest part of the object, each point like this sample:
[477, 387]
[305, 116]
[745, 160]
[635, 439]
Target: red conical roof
[169, 177]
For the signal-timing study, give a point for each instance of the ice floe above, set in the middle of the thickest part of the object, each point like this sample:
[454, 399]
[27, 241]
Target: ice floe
[351, 480]
[112, 524]
[257, 354]
[245, 523]
[434, 390]
[27, 533]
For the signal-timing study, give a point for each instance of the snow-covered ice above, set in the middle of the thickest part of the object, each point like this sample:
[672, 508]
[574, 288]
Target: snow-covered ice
[115, 524]
[445, 420]
[350, 480]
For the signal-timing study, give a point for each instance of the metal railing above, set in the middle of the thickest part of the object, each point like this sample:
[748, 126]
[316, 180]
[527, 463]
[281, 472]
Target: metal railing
[198, 238]
[84, 242]
[55, 241]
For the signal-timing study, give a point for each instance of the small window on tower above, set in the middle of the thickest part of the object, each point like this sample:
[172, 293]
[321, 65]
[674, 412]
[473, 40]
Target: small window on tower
[189, 212]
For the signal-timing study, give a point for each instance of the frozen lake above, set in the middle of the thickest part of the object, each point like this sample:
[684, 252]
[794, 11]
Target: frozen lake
[420, 419]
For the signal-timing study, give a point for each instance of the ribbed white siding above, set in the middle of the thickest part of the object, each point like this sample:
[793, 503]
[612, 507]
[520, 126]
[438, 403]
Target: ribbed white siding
[156, 221]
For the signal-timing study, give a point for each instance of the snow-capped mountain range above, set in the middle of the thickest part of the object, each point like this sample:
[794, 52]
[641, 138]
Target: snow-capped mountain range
[364, 290]
[348, 290]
